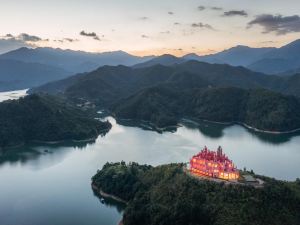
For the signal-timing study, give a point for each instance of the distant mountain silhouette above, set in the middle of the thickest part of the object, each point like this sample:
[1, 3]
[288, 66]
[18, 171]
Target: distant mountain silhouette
[16, 75]
[282, 60]
[279, 60]
[236, 56]
[165, 60]
[60, 63]
[73, 61]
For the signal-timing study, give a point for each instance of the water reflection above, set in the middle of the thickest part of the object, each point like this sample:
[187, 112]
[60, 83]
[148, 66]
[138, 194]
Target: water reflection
[50, 184]
[109, 202]
[216, 131]
[36, 152]
[144, 125]
[210, 129]
[274, 138]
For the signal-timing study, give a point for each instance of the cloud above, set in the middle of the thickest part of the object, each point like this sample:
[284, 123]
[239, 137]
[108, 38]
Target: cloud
[11, 42]
[24, 37]
[216, 8]
[171, 13]
[92, 34]
[70, 39]
[268, 42]
[202, 25]
[201, 8]
[277, 23]
[165, 32]
[9, 36]
[235, 13]
[66, 40]
[29, 38]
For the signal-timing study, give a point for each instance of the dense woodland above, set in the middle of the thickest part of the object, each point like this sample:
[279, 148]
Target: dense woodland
[111, 83]
[166, 195]
[163, 94]
[259, 108]
[45, 118]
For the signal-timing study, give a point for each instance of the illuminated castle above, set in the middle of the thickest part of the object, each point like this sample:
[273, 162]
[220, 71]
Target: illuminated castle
[213, 164]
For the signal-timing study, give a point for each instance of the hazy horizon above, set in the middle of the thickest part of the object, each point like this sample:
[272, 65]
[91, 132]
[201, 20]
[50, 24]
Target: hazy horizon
[148, 28]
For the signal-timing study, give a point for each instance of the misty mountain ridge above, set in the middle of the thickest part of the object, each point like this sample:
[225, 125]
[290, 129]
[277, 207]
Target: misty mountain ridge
[73, 61]
[165, 60]
[268, 60]
[15, 75]
[24, 65]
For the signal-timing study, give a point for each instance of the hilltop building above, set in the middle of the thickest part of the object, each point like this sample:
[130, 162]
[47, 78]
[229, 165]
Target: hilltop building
[214, 164]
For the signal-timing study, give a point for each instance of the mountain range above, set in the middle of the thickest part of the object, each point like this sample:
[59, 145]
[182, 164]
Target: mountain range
[265, 60]
[73, 61]
[283, 61]
[110, 83]
[164, 94]
[16, 75]
[27, 68]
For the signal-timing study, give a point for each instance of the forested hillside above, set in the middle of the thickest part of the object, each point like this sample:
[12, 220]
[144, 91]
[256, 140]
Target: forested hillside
[259, 108]
[110, 83]
[45, 119]
[166, 195]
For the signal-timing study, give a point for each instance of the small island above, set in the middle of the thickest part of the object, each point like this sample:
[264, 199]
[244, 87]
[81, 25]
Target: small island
[44, 118]
[167, 195]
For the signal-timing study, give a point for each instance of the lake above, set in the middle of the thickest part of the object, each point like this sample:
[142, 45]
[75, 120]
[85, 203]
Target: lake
[50, 184]
[12, 94]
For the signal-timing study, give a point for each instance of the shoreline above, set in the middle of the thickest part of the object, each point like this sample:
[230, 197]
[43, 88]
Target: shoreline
[243, 125]
[49, 142]
[61, 141]
[162, 129]
[44, 142]
[55, 142]
[151, 125]
[106, 195]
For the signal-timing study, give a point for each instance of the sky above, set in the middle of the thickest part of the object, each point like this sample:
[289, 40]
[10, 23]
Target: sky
[148, 27]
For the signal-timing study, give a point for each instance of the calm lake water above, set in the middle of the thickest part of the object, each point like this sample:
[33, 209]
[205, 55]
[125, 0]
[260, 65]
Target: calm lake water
[51, 184]
[12, 94]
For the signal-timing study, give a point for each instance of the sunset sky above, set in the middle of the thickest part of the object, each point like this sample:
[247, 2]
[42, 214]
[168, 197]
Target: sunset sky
[144, 27]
